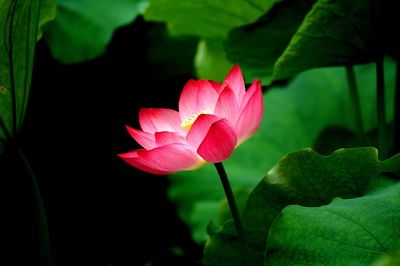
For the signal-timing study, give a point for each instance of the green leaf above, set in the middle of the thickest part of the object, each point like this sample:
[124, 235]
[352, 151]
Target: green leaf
[205, 18]
[302, 178]
[257, 46]
[335, 33]
[290, 123]
[210, 61]
[345, 232]
[211, 20]
[388, 260]
[48, 10]
[83, 28]
[19, 23]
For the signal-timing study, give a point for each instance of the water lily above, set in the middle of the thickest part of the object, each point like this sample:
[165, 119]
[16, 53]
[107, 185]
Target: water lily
[213, 119]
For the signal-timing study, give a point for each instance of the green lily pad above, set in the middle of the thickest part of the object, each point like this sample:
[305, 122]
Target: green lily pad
[257, 46]
[303, 181]
[345, 232]
[83, 28]
[339, 33]
[205, 18]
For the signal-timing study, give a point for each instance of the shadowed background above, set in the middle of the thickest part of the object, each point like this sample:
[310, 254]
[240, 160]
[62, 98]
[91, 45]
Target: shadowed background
[100, 213]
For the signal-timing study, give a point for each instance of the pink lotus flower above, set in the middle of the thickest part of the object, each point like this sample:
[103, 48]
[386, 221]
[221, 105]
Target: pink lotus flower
[212, 120]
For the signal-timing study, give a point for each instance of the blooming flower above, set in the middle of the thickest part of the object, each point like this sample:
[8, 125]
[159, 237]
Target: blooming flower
[212, 120]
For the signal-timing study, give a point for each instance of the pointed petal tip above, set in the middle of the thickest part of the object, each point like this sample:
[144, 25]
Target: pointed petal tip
[252, 110]
[128, 128]
[257, 81]
[133, 159]
[235, 81]
[129, 154]
[235, 71]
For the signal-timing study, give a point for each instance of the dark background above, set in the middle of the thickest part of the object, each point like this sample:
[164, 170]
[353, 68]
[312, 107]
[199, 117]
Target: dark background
[100, 211]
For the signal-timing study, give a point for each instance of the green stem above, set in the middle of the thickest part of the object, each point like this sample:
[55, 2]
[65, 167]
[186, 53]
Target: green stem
[231, 201]
[355, 100]
[396, 120]
[381, 111]
[44, 240]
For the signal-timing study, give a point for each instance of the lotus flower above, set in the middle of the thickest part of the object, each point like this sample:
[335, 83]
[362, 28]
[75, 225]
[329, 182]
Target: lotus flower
[213, 119]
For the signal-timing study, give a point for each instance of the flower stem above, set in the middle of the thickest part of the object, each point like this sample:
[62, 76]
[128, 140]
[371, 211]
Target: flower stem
[396, 120]
[231, 201]
[381, 111]
[355, 100]
[44, 240]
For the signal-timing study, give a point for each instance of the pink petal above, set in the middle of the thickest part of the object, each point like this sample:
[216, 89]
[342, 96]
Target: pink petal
[256, 85]
[160, 119]
[199, 129]
[171, 158]
[196, 97]
[145, 139]
[165, 137]
[251, 115]
[219, 142]
[217, 87]
[133, 159]
[235, 81]
[227, 106]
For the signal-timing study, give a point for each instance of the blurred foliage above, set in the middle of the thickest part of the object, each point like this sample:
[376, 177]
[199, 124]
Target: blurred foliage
[388, 260]
[282, 209]
[83, 28]
[210, 61]
[257, 46]
[265, 37]
[210, 19]
[292, 120]
[48, 11]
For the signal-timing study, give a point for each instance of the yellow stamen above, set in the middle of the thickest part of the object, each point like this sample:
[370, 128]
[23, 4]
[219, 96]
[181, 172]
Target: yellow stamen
[188, 122]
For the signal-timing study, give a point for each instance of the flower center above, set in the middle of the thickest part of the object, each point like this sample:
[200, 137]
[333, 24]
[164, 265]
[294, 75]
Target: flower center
[188, 122]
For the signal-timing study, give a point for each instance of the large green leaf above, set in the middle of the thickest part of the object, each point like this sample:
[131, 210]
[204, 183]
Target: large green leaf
[345, 232]
[294, 117]
[257, 46]
[19, 24]
[308, 179]
[205, 18]
[335, 33]
[83, 28]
